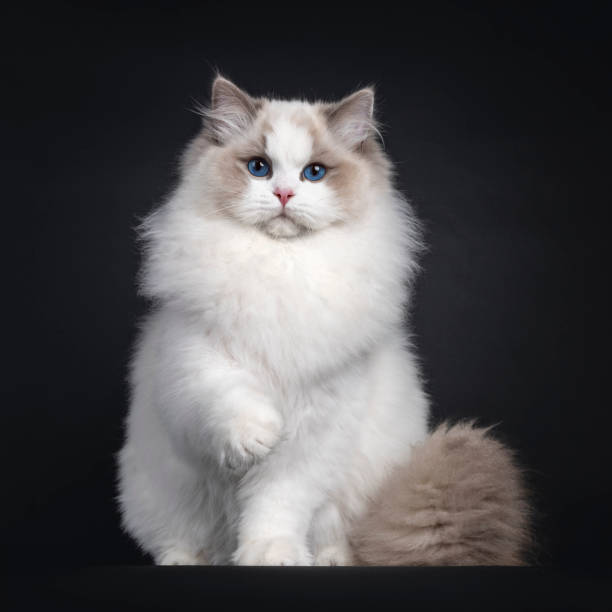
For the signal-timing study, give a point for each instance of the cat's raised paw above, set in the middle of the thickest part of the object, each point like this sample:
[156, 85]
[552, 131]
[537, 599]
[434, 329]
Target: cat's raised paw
[252, 436]
[272, 551]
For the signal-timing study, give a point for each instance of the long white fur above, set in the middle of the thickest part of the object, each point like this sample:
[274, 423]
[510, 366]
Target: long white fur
[273, 386]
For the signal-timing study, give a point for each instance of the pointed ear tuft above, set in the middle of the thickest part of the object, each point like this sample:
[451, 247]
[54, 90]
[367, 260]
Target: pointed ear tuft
[231, 111]
[352, 119]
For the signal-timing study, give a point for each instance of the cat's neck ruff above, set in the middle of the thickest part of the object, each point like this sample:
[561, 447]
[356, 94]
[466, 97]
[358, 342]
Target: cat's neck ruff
[301, 304]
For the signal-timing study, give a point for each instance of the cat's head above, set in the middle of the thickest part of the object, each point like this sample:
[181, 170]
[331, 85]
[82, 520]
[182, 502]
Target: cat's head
[286, 167]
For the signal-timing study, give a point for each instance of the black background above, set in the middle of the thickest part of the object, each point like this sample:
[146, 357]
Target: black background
[497, 118]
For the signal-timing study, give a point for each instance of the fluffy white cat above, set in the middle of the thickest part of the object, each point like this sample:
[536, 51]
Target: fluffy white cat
[273, 384]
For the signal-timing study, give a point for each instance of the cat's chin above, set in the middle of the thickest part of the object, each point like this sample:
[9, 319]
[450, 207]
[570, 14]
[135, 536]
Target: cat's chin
[283, 227]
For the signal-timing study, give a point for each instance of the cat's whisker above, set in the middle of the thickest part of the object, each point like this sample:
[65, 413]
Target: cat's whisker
[213, 212]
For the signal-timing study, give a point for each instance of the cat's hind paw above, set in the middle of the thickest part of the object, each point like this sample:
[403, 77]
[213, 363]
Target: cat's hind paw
[272, 551]
[338, 554]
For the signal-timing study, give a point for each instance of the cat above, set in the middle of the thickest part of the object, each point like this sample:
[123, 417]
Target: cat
[273, 384]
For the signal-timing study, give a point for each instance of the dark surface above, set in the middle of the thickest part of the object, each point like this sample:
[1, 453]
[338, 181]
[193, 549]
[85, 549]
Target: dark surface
[498, 120]
[192, 588]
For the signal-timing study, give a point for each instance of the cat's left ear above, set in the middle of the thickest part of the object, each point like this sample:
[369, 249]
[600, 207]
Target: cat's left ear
[230, 113]
[352, 119]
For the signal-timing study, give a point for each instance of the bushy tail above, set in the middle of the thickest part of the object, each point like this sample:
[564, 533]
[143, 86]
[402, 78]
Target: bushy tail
[460, 500]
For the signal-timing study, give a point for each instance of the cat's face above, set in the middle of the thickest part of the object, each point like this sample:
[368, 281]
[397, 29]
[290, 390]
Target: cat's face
[287, 167]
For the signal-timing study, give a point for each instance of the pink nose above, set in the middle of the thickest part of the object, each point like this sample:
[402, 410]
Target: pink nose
[283, 195]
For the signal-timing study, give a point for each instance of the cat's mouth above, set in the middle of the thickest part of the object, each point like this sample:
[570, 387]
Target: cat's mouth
[283, 226]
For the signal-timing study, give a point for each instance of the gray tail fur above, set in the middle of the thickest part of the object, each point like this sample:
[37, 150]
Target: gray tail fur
[461, 500]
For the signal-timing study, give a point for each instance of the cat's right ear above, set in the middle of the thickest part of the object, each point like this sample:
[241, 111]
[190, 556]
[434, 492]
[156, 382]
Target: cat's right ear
[231, 111]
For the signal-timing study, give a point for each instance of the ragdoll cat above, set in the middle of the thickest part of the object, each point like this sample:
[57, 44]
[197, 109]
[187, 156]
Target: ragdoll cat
[273, 387]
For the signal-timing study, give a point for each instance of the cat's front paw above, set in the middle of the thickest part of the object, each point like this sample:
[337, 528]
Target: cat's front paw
[252, 436]
[177, 556]
[272, 551]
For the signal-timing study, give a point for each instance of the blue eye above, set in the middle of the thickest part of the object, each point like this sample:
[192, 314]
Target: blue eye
[258, 167]
[314, 172]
